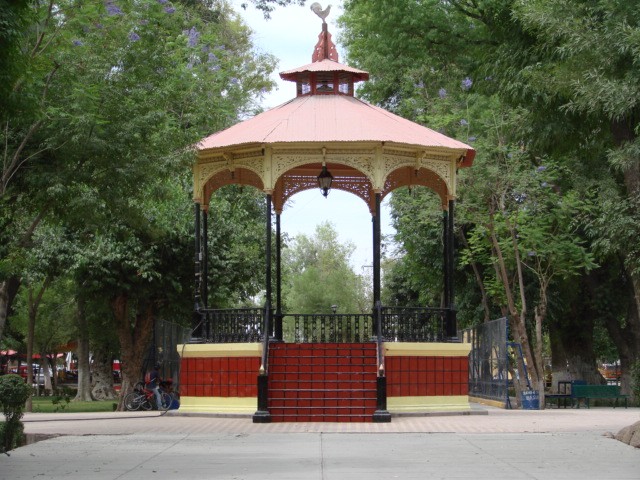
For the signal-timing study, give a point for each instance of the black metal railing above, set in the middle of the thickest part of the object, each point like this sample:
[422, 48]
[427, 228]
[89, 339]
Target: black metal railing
[398, 324]
[232, 325]
[413, 324]
[328, 328]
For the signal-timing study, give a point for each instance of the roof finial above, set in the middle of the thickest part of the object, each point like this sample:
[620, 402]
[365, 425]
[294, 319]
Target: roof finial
[317, 9]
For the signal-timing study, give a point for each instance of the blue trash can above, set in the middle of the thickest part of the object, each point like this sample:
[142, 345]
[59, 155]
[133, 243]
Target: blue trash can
[530, 400]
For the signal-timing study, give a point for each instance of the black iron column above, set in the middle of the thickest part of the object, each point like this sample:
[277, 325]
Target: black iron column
[381, 415]
[451, 327]
[268, 257]
[445, 258]
[262, 414]
[278, 316]
[196, 320]
[205, 258]
[376, 251]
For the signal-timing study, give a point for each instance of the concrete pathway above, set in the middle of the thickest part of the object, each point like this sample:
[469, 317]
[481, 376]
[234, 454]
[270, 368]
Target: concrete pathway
[548, 444]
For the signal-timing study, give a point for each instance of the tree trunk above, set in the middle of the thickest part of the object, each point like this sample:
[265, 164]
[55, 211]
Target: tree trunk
[84, 368]
[46, 373]
[8, 291]
[517, 320]
[627, 339]
[134, 338]
[31, 327]
[571, 336]
[103, 376]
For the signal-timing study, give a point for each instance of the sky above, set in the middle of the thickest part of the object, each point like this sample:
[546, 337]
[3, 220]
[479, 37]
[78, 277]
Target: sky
[290, 35]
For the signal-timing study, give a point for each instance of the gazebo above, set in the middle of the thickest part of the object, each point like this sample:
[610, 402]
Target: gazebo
[325, 367]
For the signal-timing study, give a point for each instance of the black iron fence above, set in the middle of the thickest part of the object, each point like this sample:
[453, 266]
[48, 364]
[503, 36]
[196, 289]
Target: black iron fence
[404, 324]
[399, 324]
[488, 360]
[232, 325]
[327, 328]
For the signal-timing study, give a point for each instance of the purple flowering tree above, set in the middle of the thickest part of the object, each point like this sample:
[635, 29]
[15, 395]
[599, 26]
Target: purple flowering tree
[108, 164]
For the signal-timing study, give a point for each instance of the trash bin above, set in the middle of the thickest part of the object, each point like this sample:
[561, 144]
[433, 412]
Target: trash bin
[530, 400]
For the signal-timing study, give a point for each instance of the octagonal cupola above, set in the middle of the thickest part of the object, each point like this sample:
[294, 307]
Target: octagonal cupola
[325, 75]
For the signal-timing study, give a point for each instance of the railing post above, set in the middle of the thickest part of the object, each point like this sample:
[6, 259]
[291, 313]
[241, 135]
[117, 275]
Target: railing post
[381, 415]
[262, 415]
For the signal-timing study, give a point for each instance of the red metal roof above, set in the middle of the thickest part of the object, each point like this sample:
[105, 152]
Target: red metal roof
[325, 65]
[331, 118]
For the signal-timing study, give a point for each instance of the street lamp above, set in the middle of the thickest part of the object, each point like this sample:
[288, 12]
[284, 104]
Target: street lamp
[324, 180]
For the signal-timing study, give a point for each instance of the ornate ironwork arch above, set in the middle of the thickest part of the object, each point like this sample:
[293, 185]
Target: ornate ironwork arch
[236, 176]
[410, 176]
[304, 177]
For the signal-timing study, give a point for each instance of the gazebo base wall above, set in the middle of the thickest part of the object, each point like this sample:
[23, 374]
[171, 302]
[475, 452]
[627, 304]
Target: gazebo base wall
[219, 378]
[427, 377]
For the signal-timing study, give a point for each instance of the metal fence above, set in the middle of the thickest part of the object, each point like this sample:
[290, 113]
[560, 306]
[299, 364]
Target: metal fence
[329, 328]
[420, 324]
[399, 324]
[488, 360]
[163, 349]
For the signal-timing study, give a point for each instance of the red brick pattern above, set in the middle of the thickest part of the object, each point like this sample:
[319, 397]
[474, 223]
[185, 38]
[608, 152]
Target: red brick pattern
[219, 377]
[427, 376]
[322, 382]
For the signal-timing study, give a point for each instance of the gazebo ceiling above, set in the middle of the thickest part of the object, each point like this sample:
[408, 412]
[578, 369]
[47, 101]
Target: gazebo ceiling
[367, 149]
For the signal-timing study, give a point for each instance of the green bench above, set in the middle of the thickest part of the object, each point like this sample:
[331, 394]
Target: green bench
[564, 393]
[588, 392]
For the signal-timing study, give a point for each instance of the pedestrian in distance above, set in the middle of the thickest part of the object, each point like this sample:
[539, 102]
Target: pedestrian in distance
[152, 382]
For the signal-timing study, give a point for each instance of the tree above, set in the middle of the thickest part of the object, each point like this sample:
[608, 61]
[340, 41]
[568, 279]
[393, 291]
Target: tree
[435, 65]
[236, 246]
[414, 276]
[120, 85]
[318, 275]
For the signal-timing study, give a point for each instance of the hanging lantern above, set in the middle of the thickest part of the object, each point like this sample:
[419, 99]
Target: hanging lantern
[324, 180]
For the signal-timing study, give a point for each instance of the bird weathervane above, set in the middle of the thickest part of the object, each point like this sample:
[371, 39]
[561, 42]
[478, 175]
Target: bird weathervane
[323, 14]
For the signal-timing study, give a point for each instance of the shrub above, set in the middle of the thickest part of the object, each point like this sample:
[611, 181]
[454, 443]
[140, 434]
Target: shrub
[13, 395]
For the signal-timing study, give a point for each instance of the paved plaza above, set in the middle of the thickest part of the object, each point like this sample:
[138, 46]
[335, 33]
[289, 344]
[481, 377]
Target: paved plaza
[513, 444]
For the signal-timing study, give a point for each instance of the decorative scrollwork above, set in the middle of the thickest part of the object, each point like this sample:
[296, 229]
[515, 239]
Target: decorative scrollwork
[442, 168]
[254, 164]
[207, 170]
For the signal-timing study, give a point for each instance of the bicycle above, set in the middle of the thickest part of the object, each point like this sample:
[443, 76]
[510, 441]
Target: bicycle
[145, 399]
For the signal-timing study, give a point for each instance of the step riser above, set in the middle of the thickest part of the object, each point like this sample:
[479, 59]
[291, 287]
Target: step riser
[322, 383]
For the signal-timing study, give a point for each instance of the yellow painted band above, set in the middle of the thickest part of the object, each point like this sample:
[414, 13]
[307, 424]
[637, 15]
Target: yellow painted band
[491, 403]
[414, 349]
[243, 405]
[211, 350]
[428, 404]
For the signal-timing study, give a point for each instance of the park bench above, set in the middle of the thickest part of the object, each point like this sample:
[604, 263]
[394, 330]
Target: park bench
[564, 393]
[588, 392]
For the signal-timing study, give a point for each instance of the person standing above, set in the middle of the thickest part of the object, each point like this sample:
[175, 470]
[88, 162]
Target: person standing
[152, 382]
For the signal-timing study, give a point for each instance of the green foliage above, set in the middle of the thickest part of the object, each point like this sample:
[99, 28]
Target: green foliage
[414, 276]
[268, 6]
[59, 404]
[14, 392]
[318, 275]
[236, 246]
[126, 87]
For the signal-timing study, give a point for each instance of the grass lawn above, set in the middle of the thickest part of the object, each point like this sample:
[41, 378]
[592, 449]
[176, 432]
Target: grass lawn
[46, 405]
